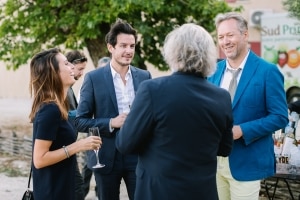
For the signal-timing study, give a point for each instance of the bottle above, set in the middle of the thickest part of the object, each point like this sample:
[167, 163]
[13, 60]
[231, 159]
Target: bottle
[289, 130]
[278, 137]
[289, 138]
[295, 118]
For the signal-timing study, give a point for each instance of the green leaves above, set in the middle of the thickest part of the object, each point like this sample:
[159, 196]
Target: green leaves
[293, 6]
[28, 26]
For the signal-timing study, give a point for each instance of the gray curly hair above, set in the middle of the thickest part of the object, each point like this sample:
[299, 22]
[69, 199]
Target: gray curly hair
[190, 48]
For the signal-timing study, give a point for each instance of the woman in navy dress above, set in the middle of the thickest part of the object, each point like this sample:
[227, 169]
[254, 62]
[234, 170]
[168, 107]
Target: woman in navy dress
[54, 139]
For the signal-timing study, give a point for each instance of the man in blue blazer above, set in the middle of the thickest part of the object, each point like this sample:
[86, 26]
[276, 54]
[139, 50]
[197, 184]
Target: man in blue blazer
[105, 99]
[178, 124]
[259, 108]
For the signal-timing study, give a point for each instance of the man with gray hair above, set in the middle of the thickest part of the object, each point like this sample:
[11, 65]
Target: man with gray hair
[259, 109]
[178, 124]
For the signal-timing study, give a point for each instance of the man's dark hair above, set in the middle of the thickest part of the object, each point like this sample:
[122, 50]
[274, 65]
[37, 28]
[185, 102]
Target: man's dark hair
[76, 56]
[118, 27]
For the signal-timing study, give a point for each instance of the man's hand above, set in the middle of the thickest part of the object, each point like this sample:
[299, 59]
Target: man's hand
[118, 121]
[237, 132]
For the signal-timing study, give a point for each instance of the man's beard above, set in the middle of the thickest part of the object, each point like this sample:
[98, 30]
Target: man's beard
[123, 64]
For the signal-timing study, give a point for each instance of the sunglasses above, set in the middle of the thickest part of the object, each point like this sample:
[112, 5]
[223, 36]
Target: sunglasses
[79, 60]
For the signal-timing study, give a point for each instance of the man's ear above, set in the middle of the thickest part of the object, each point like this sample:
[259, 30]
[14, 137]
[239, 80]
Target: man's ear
[109, 47]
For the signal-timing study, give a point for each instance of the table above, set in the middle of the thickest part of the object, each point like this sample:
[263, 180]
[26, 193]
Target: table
[284, 172]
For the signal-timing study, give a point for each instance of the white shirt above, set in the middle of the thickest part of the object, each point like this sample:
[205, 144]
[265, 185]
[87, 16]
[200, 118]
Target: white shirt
[227, 76]
[124, 92]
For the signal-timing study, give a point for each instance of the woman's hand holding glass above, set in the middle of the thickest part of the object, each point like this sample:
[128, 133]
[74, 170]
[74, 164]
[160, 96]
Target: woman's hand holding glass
[94, 131]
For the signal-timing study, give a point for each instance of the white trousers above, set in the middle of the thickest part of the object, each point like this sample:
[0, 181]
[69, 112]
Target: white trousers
[231, 189]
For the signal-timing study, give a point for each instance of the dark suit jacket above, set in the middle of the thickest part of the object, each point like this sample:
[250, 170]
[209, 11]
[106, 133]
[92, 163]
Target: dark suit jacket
[178, 125]
[72, 99]
[72, 107]
[98, 104]
[260, 108]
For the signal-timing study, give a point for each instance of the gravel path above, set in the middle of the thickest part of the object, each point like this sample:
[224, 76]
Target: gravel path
[12, 188]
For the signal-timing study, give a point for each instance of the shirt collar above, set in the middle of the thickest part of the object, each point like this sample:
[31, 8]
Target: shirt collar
[242, 65]
[114, 73]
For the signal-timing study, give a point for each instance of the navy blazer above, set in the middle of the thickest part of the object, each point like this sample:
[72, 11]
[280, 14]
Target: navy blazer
[178, 124]
[97, 105]
[260, 108]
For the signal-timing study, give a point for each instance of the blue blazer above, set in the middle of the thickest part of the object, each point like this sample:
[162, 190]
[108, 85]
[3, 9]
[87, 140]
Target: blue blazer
[178, 124]
[97, 105]
[259, 107]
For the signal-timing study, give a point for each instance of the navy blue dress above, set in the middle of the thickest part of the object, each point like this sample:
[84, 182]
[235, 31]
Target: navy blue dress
[56, 181]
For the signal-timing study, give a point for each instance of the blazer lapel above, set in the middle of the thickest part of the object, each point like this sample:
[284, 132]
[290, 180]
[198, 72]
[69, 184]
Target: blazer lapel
[219, 73]
[110, 86]
[250, 67]
[135, 79]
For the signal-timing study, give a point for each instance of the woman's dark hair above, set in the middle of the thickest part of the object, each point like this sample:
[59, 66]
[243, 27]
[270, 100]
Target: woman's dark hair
[45, 83]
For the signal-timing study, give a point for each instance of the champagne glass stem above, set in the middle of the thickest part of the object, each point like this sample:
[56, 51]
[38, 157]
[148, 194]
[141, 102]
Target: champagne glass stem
[94, 131]
[97, 157]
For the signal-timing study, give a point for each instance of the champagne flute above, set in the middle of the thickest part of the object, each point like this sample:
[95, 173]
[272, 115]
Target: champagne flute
[94, 131]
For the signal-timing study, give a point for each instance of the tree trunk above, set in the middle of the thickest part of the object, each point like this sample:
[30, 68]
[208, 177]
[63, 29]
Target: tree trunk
[97, 49]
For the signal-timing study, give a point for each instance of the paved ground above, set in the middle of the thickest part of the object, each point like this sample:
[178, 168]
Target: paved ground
[14, 116]
[12, 188]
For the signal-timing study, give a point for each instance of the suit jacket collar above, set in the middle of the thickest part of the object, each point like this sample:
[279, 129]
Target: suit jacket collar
[248, 72]
[108, 80]
[134, 74]
[110, 83]
[72, 99]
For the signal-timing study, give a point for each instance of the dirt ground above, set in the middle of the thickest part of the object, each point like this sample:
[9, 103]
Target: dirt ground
[14, 117]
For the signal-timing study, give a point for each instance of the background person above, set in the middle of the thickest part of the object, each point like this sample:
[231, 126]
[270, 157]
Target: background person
[78, 59]
[54, 138]
[87, 172]
[178, 124]
[105, 100]
[259, 109]
[103, 61]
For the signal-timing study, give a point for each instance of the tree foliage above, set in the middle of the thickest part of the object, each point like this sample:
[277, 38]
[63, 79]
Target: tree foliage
[293, 7]
[28, 26]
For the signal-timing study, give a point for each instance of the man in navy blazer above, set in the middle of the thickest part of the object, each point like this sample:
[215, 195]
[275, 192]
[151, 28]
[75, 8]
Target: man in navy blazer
[105, 99]
[178, 124]
[259, 109]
